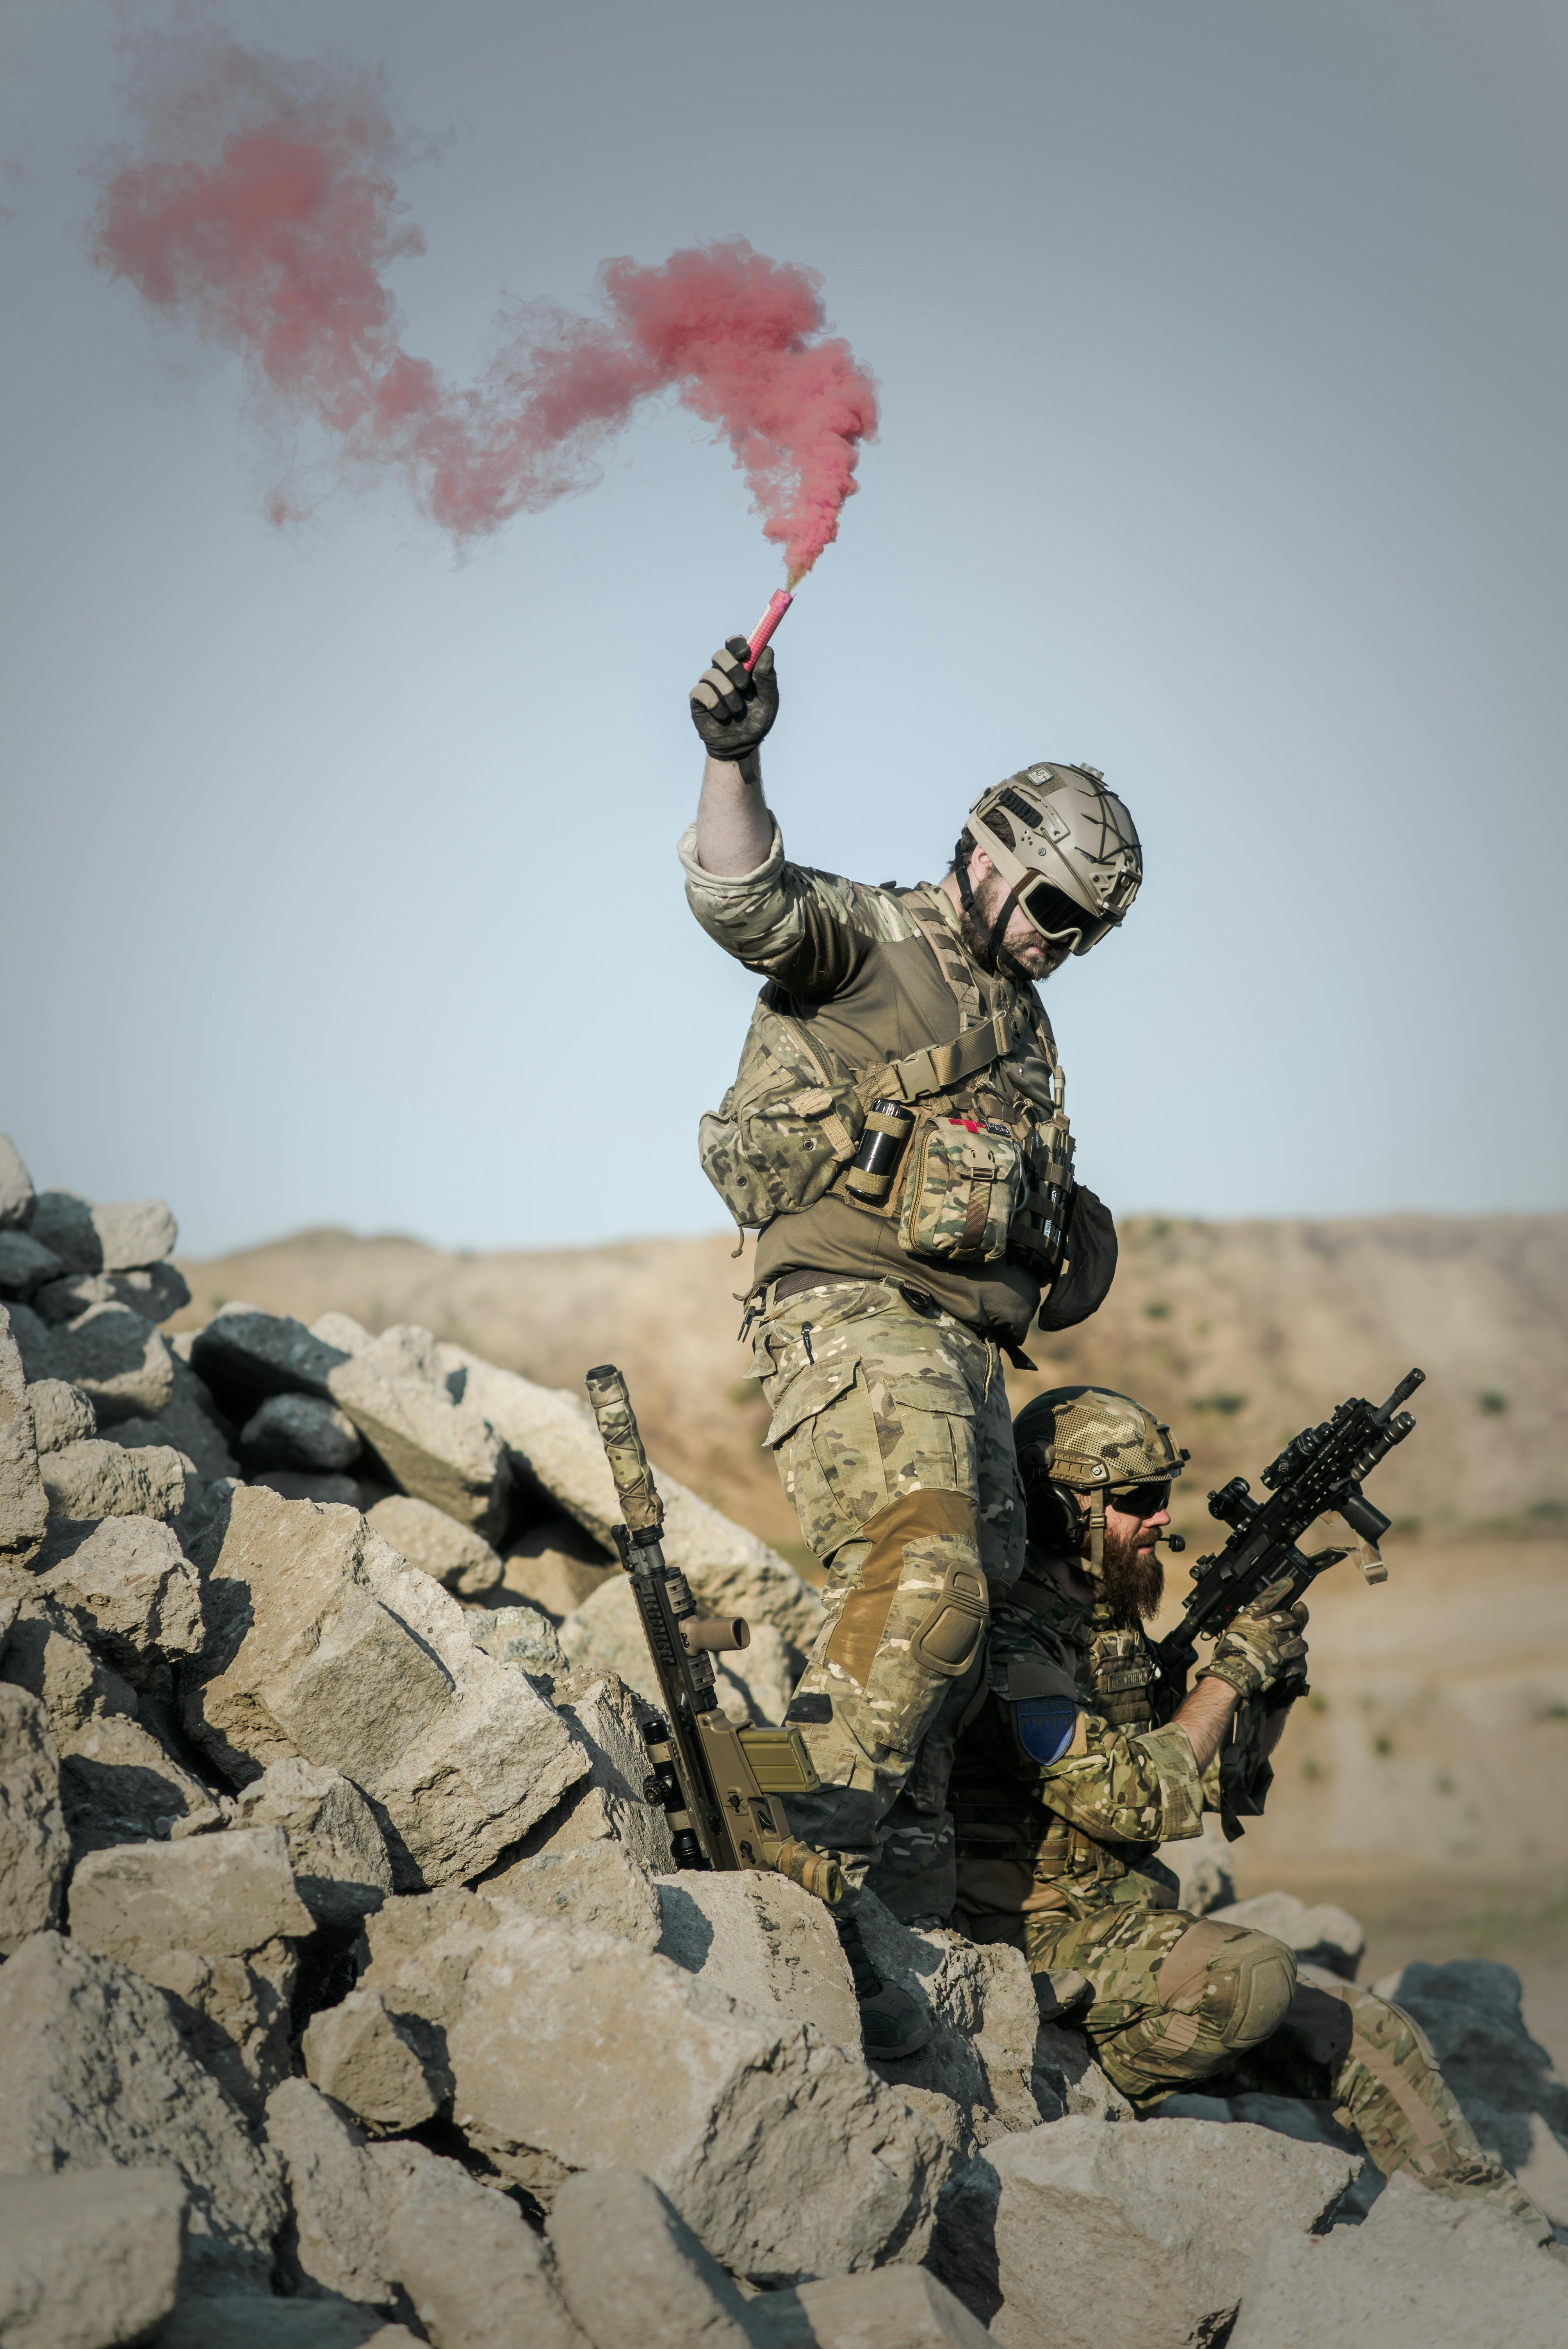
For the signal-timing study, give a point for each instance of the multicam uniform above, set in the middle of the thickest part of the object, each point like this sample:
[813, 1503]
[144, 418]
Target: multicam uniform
[1062, 1790]
[883, 1362]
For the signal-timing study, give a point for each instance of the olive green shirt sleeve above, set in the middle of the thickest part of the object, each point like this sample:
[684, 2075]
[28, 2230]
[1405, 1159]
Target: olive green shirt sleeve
[1121, 1788]
[809, 931]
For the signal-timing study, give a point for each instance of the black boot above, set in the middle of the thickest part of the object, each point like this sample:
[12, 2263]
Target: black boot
[892, 2023]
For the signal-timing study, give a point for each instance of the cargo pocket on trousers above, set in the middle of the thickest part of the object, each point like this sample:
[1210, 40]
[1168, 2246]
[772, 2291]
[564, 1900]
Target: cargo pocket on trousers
[948, 1637]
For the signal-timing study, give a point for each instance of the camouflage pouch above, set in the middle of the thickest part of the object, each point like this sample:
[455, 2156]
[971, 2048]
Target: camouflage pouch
[788, 1123]
[962, 1190]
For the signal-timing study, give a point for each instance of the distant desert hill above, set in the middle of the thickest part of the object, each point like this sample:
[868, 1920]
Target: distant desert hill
[1239, 1333]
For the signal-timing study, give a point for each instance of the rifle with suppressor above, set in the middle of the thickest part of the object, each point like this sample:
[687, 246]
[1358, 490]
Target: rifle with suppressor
[718, 1784]
[1319, 1470]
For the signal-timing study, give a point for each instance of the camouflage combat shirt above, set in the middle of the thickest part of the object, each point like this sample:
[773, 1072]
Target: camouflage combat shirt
[1062, 1788]
[852, 963]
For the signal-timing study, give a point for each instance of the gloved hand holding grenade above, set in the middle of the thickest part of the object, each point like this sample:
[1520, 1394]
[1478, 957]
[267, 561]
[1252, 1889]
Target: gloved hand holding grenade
[732, 706]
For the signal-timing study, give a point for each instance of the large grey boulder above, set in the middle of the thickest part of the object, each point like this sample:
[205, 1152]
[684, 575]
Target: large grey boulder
[437, 1449]
[1423, 2273]
[299, 1431]
[891, 2308]
[986, 2024]
[1511, 2096]
[394, 2226]
[767, 1944]
[24, 1503]
[61, 1414]
[34, 1852]
[570, 2049]
[15, 1186]
[211, 1921]
[599, 1885]
[555, 1566]
[93, 2072]
[366, 2059]
[100, 1479]
[609, 1804]
[1322, 1935]
[113, 1238]
[129, 1587]
[25, 1265]
[118, 1783]
[627, 2261]
[556, 1440]
[452, 1553]
[111, 1353]
[155, 1293]
[1128, 2238]
[250, 1354]
[337, 1850]
[324, 1645]
[90, 2259]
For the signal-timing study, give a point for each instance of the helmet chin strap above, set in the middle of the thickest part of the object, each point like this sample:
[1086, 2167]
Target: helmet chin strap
[1097, 1535]
[966, 894]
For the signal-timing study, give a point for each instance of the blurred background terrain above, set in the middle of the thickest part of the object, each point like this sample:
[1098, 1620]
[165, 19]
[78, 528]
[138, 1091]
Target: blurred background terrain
[1424, 1784]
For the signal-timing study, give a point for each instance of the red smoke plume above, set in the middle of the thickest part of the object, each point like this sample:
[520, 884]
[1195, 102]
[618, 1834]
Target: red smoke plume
[267, 212]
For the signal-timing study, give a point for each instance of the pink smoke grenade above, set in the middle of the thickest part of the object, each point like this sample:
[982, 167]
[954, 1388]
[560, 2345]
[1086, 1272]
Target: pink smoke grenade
[779, 603]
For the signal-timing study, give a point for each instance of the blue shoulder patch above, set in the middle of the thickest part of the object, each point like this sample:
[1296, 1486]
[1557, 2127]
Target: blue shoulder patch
[1044, 1725]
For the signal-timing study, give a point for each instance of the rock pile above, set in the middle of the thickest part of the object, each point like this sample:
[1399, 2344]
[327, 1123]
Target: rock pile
[348, 1993]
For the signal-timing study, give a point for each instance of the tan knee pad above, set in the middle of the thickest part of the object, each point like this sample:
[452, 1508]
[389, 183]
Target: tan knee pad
[1244, 1982]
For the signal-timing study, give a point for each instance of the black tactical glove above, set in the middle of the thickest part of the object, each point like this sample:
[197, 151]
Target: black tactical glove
[1082, 1289]
[730, 710]
[1263, 1649]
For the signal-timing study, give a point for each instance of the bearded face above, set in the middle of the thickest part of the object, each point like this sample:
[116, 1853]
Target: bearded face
[1132, 1574]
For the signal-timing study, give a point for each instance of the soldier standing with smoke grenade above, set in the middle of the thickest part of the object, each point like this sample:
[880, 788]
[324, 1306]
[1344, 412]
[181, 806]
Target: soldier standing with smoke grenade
[896, 1133]
[1064, 1784]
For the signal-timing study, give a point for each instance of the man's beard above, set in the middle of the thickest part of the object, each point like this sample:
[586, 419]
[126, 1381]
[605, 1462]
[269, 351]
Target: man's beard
[1132, 1580]
[978, 920]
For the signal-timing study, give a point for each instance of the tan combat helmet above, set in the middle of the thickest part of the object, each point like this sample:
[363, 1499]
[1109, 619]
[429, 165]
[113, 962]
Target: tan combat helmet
[1089, 1440]
[1065, 847]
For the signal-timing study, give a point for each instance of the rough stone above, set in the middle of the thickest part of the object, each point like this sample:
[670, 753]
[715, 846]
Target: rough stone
[1470, 2010]
[34, 1852]
[1423, 2273]
[376, 2222]
[96, 1478]
[89, 2260]
[111, 1353]
[337, 1850]
[114, 1238]
[24, 1503]
[300, 1430]
[986, 2024]
[366, 2060]
[609, 1804]
[241, 2321]
[621, 2247]
[217, 1895]
[1131, 2238]
[1201, 1867]
[893, 2307]
[323, 1645]
[195, 1425]
[569, 2050]
[1322, 1935]
[62, 1414]
[15, 1186]
[156, 1292]
[25, 1264]
[455, 1555]
[555, 1567]
[92, 2070]
[520, 1635]
[1309, 2121]
[314, 1484]
[245, 1353]
[769, 1945]
[437, 1449]
[555, 1439]
[599, 1885]
[591, 1814]
[343, 1332]
[128, 1586]
[606, 1635]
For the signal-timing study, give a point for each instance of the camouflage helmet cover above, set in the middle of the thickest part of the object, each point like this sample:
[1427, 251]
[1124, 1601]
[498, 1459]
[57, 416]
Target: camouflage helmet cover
[1066, 846]
[1091, 1439]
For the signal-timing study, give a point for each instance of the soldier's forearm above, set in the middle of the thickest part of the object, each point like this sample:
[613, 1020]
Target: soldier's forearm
[734, 826]
[1205, 1716]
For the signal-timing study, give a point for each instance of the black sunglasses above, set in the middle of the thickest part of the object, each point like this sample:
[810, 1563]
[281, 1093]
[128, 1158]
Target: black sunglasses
[1053, 913]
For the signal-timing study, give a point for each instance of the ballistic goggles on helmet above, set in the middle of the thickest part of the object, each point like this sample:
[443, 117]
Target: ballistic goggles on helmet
[1067, 848]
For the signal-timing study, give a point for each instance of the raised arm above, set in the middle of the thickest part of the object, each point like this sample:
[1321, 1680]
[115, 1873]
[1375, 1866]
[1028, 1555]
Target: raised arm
[732, 712]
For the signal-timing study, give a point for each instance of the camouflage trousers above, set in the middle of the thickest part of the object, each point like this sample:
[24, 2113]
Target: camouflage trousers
[893, 1437]
[1179, 2000]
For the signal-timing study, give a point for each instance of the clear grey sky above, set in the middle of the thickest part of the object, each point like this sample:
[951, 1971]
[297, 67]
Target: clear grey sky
[1221, 347]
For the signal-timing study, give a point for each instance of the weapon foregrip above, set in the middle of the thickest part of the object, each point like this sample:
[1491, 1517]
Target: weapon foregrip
[640, 1503]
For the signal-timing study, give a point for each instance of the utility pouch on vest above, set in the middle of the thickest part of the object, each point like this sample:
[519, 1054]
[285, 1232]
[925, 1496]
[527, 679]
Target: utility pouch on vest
[787, 1125]
[962, 1190]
